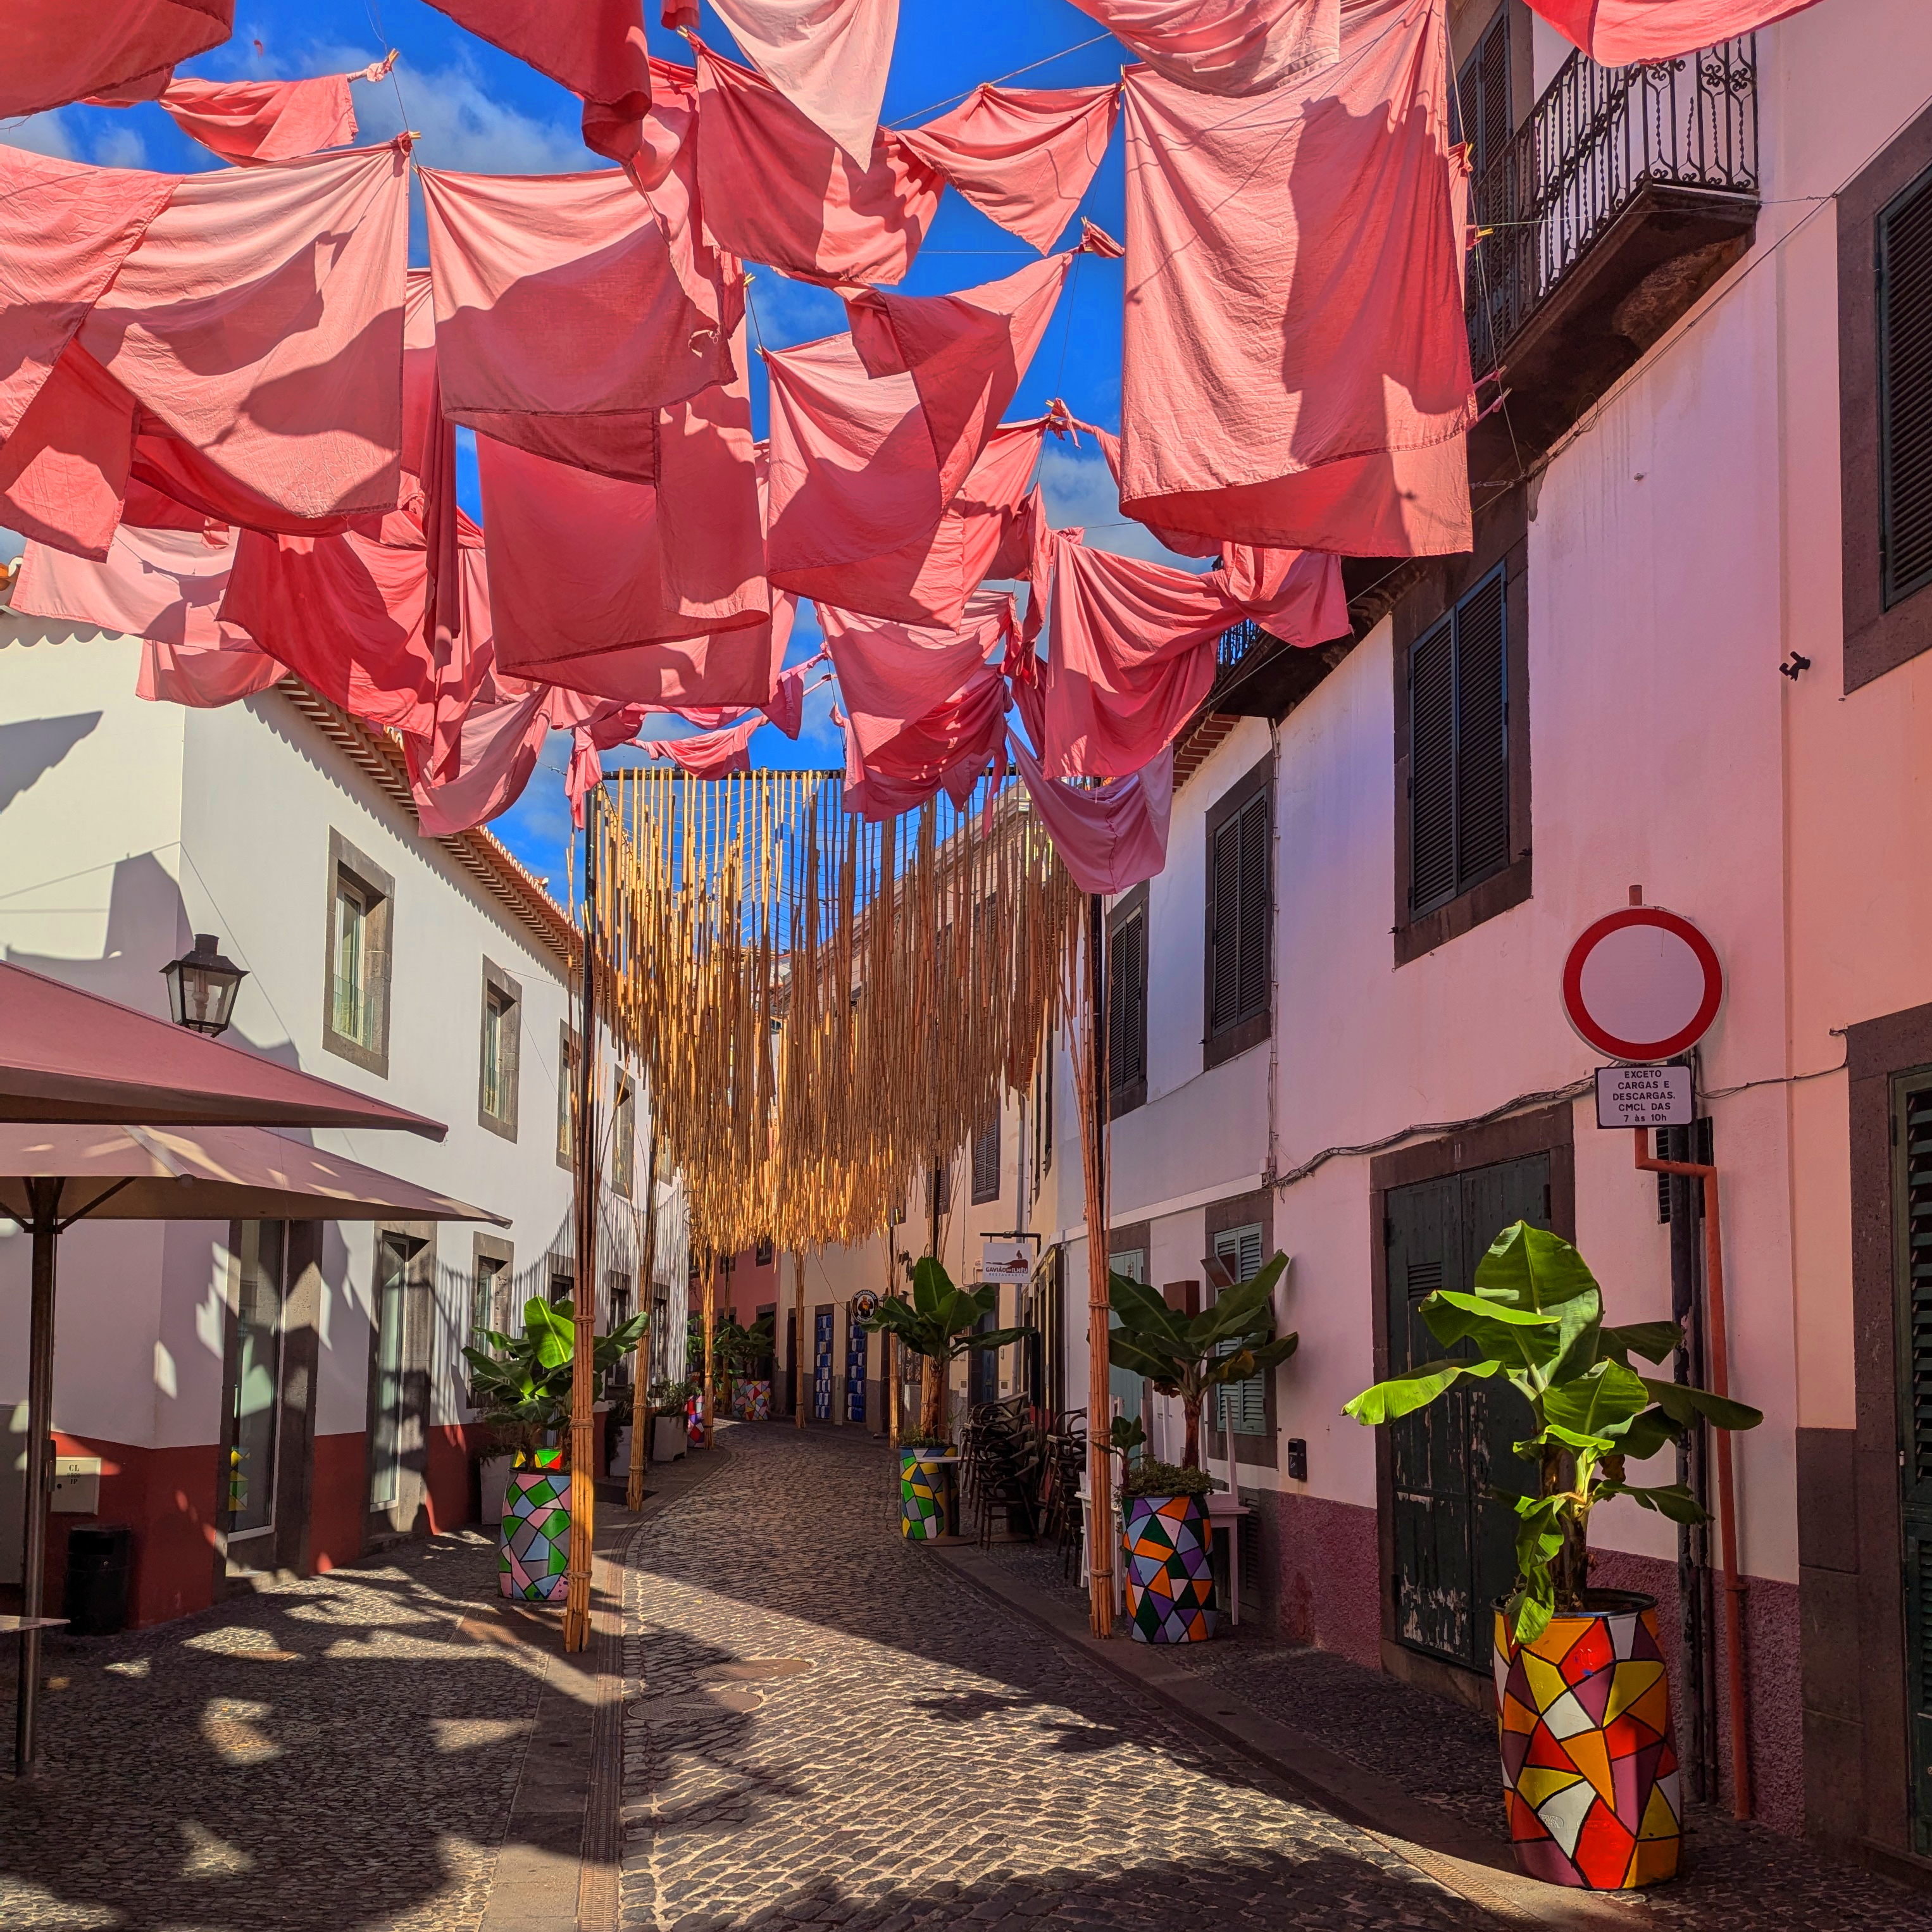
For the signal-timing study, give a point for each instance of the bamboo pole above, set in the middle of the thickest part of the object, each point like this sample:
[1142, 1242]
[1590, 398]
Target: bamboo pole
[1090, 1091]
[798, 1337]
[710, 1346]
[582, 1376]
[640, 1400]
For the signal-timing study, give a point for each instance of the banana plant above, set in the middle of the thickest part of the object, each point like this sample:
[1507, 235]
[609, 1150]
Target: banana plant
[940, 1324]
[1536, 1319]
[523, 1383]
[1232, 1341]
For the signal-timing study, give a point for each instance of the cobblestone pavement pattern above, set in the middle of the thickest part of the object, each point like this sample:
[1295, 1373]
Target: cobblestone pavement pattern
[332, 1753]
[1739, 1877]
[828, 1728]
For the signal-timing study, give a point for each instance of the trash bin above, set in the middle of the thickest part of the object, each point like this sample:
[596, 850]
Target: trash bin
[99, 1556]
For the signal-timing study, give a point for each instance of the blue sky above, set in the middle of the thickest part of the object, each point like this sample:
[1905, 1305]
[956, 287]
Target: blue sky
[478, 109]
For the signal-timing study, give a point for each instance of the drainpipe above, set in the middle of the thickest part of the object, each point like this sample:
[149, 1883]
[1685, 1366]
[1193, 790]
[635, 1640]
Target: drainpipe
[1732, 1584]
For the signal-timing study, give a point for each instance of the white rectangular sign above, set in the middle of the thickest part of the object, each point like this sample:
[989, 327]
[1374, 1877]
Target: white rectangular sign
[1004, 1259]
[1643, 1096]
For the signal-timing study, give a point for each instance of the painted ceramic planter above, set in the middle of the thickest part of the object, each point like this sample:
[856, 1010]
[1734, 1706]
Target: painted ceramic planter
[925, 1494]
[1589, 1758]
[694, 1422]
[533, 1547]
[1168, 1544]
[751, 1401]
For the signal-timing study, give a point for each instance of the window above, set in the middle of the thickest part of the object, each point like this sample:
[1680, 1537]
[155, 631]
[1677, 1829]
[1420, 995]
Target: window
[623, 1136]
[485, 1290]
[1905, 392]
[255, 1391]
[497, 1078]
[1479, 112]
[356, 1007]
[566, 1097]
[986, 1162]
[1458, 776]
[1243, 1407]
[762, 1255]
[1238, 915]
[620, 1291]
[1126, 1003]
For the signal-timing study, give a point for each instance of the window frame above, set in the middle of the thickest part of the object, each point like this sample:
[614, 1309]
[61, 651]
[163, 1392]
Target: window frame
[1238, 1036]
[505, 987]
[1501, 538]
[1129, 909]
[623, 1132]
[365, 877]
[568, 1045]
[985, 1191]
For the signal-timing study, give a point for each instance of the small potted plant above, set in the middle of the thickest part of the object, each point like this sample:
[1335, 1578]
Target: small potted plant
[939, 1325]
[669, 1440]
[1166, 1535]
[1583, 1697]
[523, 1383]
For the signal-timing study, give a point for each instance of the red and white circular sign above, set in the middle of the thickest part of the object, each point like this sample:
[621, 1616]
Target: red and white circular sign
[1642, 984]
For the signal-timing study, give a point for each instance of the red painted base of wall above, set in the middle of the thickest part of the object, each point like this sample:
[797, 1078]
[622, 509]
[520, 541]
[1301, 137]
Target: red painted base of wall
[1321, 1572]
[338, 1510]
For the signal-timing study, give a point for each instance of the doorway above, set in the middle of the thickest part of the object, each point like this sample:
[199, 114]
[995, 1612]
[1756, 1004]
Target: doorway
[398, 1436]
[1452, 1471]
[253, 1370]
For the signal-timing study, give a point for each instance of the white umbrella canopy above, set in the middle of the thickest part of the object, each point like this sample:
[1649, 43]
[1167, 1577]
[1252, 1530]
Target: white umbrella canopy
[53, 1176]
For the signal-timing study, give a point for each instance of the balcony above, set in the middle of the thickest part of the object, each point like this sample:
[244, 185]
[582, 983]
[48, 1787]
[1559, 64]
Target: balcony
[1624, 195]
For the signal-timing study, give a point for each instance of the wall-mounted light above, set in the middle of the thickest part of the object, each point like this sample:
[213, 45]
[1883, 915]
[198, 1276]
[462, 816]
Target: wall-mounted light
[201, 986]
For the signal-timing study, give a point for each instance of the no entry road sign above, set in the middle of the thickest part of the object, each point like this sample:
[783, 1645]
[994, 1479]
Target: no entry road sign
[1642, 984]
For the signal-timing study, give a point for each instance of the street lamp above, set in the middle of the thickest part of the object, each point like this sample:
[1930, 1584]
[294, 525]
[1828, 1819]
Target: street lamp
[201, 986]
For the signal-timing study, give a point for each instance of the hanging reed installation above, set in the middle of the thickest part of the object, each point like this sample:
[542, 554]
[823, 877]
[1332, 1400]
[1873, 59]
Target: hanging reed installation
[822, 1005]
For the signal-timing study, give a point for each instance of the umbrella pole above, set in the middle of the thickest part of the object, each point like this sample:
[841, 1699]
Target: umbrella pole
[45, 1196]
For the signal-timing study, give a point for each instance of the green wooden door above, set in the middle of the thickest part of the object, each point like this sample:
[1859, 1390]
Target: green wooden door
[1453, 1539]
[1911, 1198]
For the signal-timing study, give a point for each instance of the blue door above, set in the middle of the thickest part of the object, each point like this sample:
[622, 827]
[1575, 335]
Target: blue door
[821, 1366]
[855, 1370]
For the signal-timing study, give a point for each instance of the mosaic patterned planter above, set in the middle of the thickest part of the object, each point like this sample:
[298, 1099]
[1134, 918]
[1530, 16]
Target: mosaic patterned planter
[694, 1422]
[533, 1547]
[1168, 1543]
[751, 1401]
[1589, 1760]
[925, 1494]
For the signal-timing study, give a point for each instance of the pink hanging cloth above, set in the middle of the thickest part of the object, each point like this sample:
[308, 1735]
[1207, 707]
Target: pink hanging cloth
[596, 48]
[773, 188]
[55, 54]
[828, 58]
[561, 324]
[65, 229]
[991, 506]
[245, 121]
[1024, 157]
[1225, 46]
[1130, 655]
[711, 754]
[244, 417]
[965, 353]
[1110, 838]
[1294, 300]
[720, 670]
[502, 736]
[1618, 33]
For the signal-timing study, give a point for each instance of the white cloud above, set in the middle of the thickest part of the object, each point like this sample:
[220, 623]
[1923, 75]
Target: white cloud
[121, 148]
[41, 134]
[1079, 491]
[463, 129]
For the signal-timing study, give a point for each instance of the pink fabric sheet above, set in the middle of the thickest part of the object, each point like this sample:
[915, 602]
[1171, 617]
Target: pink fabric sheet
[596, 48]
[966, 353]
[776, 188]
[56, 53]
[1130, 655]
[245, 121]
[501, 738]
[1224, 47]
[562, 326]
[720, 670]
[828, 58]
[204, 677]
[249, 418]
[65, 229]
[1110, 838]
[710, 754]
[1618, 32]
[1025, 157]
[1294, 300]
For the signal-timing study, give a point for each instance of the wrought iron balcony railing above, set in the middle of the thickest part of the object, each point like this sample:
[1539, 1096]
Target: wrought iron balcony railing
[1592, 146]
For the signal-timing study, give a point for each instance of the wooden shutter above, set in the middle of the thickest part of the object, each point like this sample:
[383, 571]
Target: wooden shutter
[1459, 748]
[1911, 1196]
[1224, 881]
[1127, 1010]
[1243, 1405]
[1238, 920]
[986, 1162]
[1905, 392]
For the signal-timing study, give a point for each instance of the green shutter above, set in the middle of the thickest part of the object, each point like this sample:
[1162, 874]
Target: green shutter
[1911, 1191]
[1243, 1405]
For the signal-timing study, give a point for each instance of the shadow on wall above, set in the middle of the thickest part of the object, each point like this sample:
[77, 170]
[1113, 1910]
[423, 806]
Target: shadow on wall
[32, 747]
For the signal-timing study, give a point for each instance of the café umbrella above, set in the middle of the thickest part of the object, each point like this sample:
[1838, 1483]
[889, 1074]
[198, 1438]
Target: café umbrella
[51, 1176]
